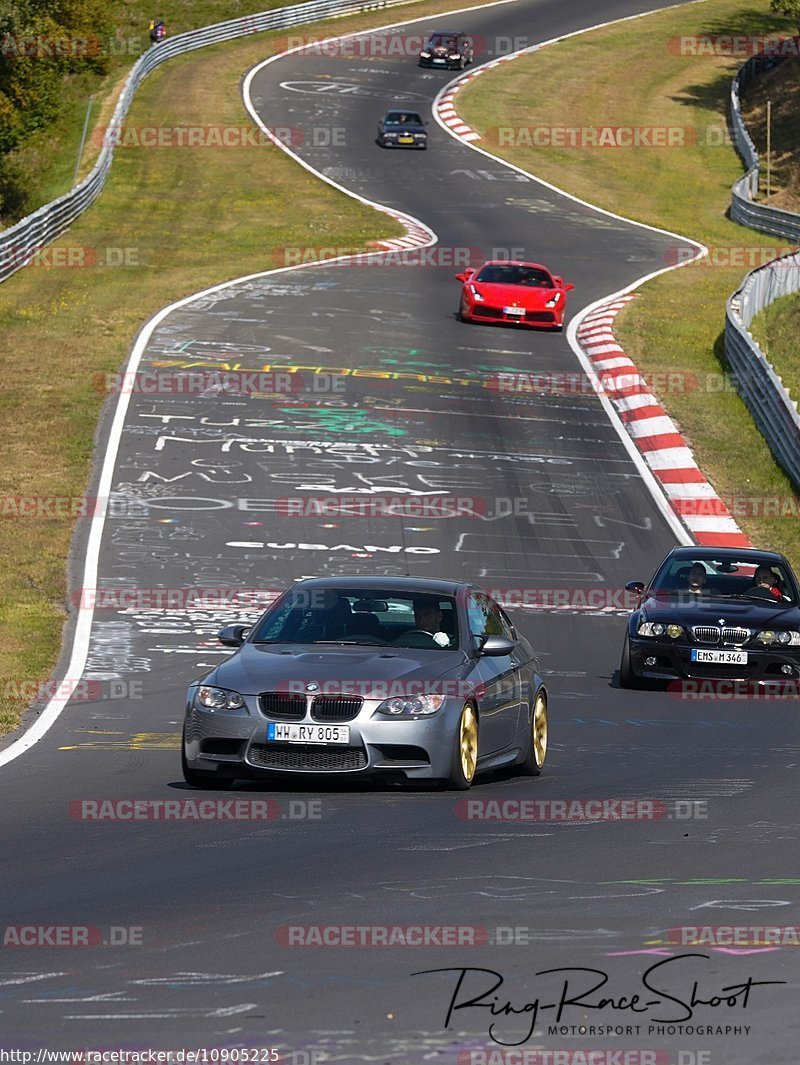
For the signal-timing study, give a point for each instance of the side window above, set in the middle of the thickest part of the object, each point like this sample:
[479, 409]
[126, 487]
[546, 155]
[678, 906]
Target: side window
[486, 618]
[508, 628]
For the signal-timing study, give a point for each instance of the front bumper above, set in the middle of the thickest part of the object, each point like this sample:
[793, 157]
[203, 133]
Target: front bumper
[235, 744]
[408, 140]
[440, 63]
[673, 662]
[483, 312]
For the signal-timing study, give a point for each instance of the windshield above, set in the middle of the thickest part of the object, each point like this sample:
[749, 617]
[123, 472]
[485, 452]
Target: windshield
[756, 579]
[450, 43]
[402, 118]
[371, 618]
[506, 274]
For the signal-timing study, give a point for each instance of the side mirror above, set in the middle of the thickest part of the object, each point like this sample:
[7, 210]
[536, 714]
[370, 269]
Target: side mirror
[464, 276]
[568, 287]
[497, 647]
[233, 635]
[635, 586]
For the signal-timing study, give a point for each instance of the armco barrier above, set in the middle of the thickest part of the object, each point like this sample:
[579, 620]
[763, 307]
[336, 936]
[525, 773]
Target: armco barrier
[19, 243]
[744, 209]
[773, 410]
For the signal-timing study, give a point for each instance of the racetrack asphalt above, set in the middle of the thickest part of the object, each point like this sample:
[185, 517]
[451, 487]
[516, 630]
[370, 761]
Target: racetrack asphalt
[211, 897]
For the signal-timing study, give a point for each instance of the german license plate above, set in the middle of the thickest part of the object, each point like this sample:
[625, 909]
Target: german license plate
[518, 312]
[723, 658]
[308, 733]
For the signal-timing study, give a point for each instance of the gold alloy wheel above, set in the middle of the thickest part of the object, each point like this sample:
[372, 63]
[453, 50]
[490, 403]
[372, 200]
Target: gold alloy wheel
[539, 729]
[468, 742]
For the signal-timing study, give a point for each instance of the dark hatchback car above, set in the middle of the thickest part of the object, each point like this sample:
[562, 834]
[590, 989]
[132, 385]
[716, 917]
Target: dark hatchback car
[388, 676]
[715, 614]
[402, 129]
[449, 49]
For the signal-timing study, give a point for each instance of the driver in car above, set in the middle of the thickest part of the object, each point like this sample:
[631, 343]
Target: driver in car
[428, 618]
[764, 584]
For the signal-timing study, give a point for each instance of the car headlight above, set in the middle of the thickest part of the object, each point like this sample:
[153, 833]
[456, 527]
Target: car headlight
[218, 699]
[389, 134]
[424, 55]
[658, 628]
[418, 706]
[785, 639]
[475, 294]
[554, 301]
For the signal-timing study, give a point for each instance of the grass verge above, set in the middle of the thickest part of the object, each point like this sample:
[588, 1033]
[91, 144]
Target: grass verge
[677, 322]
[776, 329]
[63, 326]
[45, 162]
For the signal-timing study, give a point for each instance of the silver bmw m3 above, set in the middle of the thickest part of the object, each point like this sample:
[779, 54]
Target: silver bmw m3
[397, 677]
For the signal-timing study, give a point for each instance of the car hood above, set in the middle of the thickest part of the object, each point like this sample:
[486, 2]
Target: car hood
[259, 667]
[747, 613]
[508, 295]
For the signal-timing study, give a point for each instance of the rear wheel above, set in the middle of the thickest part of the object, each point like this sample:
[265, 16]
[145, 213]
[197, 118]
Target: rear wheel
[537, 740]
[465, 751]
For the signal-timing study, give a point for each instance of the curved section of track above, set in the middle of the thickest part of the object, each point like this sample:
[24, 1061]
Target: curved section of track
[416, 415]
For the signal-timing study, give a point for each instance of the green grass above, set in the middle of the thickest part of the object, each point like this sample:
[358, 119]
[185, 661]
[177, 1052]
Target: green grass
[63, 327]
[46, 161]
[777, 330]
[677, 321]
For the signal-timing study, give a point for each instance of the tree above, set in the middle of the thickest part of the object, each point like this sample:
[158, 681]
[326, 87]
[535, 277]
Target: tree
[41, 43]
[790, 8]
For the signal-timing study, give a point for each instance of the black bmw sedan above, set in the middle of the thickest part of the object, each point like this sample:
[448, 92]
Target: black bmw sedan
[717, 614]
[402, 129]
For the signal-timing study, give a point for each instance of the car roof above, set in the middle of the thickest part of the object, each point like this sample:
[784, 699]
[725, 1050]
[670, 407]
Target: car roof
[514, 262]
[741, 554]
[419, 585]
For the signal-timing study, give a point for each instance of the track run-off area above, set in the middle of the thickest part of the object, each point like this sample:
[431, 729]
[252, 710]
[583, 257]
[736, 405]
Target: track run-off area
[190, 917]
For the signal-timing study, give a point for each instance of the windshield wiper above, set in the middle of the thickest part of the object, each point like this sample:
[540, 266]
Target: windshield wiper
[365, 643]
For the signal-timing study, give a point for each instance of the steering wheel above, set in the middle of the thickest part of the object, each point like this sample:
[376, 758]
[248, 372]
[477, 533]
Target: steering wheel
[414, 632]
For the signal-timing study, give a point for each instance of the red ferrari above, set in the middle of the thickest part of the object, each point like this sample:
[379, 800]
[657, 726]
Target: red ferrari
[520, 293]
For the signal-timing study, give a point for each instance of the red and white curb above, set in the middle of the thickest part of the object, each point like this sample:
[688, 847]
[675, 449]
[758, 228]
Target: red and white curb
[691, 497]
[417, 234]
[445, 107]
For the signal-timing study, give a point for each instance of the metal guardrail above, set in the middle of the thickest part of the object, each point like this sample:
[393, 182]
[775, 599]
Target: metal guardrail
[773, 409]
[20, 242]
[769, 402]
[744, 208]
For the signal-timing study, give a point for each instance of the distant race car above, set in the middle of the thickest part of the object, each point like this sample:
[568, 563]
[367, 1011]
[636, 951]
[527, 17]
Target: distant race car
[714, 613]
[519, 293]
[449, 49]
[402, 129]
